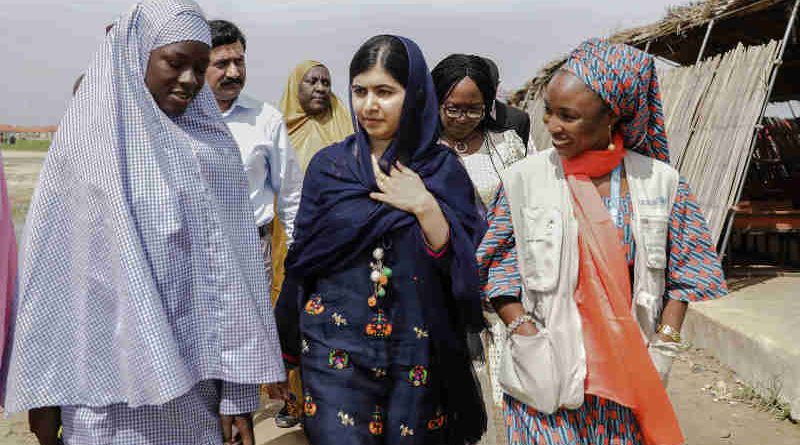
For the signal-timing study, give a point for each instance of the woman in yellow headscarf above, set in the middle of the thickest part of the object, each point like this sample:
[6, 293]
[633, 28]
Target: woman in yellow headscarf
[315, 118]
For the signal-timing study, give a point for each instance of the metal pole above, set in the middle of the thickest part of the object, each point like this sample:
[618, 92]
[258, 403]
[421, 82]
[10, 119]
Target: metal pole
[647, 46]
[776, 66]
[705, 40]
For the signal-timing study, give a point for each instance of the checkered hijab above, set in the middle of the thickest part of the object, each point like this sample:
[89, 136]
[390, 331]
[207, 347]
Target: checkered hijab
[141, 270]
[625, 78]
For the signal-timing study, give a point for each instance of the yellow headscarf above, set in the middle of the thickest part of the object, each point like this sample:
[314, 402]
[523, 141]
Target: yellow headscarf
[309, 134]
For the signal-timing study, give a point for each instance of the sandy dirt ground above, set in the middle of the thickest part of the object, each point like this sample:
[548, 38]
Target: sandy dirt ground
[704, 393]
[22, 172]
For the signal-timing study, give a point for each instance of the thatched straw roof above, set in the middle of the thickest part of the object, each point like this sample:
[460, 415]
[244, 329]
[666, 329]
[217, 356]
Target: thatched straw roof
[680, 19]
[679, 35]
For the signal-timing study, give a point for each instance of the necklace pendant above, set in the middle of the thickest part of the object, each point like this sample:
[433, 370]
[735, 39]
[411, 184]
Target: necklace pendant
[379, 276]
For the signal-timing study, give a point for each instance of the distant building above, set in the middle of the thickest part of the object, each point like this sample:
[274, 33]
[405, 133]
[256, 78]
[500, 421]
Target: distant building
[30, 133]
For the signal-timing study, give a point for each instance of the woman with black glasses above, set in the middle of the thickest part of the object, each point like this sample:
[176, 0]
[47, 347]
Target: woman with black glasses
[466, 91]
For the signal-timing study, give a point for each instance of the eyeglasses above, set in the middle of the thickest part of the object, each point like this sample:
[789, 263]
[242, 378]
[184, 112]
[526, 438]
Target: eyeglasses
[470, 113]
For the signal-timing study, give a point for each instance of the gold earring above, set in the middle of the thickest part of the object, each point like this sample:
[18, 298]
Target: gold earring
[611, 146]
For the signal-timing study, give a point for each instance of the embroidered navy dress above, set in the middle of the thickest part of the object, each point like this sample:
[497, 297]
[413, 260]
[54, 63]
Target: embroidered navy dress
[377, 320]
[355, 340]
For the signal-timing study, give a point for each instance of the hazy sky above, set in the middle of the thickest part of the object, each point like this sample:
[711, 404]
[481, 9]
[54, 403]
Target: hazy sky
[48, 43]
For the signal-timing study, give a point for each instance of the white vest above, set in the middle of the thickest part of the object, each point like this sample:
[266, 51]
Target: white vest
[546, 235]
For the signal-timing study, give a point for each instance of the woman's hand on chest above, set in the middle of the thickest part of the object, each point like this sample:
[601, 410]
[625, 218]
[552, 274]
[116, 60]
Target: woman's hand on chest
[402, 188]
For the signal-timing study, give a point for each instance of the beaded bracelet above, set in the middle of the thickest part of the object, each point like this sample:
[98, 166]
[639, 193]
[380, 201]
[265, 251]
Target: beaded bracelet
[517, 322]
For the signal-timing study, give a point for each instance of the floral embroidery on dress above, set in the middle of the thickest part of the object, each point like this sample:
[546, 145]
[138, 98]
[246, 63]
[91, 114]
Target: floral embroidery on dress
[376, 424]
[405, 430]
[421, 333]
[379, 373]
[379, 326]
[314, 305]
[338, 359]
[438, 421]
[346, 419]
[418, 376]
[338, 319]
[305, 347]
[309, 407]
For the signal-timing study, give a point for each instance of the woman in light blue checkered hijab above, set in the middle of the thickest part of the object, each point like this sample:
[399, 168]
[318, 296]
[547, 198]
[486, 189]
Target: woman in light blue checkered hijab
[143, 309]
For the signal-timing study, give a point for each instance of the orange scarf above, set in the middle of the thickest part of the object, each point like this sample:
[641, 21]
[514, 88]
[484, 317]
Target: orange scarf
[595, 163]
[618, 365]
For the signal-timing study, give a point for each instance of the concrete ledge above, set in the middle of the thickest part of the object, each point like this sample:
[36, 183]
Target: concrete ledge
[756, 332]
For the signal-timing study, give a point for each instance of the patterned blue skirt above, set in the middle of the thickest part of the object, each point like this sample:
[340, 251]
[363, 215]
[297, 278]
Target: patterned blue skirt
[597, 422]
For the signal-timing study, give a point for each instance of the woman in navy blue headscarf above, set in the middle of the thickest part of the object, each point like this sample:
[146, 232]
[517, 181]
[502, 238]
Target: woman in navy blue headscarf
[382, 284]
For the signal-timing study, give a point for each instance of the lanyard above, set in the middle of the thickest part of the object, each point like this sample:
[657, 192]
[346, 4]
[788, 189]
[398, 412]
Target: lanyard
[616, 180]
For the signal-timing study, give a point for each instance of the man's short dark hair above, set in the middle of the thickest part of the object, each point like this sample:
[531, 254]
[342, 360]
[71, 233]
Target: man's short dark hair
[224, 32]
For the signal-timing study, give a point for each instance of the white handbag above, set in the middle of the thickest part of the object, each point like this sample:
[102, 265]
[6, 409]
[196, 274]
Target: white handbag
[529, 372]
[663, 353]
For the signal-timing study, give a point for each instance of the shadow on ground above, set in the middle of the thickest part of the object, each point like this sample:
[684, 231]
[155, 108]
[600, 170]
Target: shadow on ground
[295, 437]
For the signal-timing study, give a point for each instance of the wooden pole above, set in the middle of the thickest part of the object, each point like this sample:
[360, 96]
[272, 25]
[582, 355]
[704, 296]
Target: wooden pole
[705, 40]
[776, 67]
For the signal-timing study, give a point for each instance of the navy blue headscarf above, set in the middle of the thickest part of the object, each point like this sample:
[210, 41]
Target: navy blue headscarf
[338, 222]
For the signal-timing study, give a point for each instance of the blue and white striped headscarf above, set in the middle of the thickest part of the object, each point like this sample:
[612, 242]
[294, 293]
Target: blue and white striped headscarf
[141, 272]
